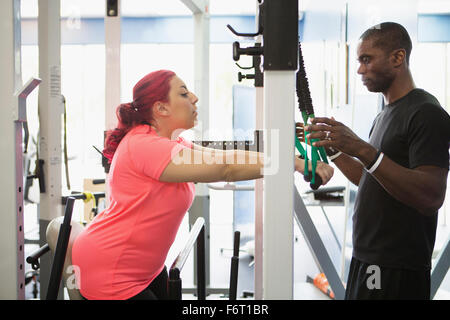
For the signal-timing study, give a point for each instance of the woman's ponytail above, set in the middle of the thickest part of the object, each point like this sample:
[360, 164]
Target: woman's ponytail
[113, 137]
[150, 89]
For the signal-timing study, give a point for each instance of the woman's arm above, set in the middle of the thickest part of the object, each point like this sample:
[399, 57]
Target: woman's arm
[210, 165]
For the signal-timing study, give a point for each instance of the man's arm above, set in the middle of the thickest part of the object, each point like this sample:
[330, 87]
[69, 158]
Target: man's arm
[350, 167]
[422, 188]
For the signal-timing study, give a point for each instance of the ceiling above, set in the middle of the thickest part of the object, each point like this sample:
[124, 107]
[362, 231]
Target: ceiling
[141, 8]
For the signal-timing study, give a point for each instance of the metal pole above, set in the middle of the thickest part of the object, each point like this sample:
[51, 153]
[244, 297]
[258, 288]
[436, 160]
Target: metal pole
[440, 269]
[201, 271]
[259, 123]
[234, 266]
[278, 206]
[174, 284]
[112, 64]
[280, 64]
[60, 252]
[317, 248]
[11, 220]
[200, 207]
[50, 116]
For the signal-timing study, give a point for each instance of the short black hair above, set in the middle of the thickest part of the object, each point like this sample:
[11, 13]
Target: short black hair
[389, 36]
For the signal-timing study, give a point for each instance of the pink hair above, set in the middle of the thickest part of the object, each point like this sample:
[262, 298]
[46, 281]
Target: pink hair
[153, 87]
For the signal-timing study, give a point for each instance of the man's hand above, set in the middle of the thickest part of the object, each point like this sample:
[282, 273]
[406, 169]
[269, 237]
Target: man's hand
[300, 132]
[336, 135]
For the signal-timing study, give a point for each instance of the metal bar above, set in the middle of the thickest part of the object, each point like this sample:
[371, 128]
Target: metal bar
[60, 252]
[201, 265]
[174, 285]
[200, 208]
[331, 228]
[280, 62]
[440, 269]
[229, 145]
[33, 258]
[20, 118]
[209, 291]
[82, 196]
[234, 266]
[50, 125]
[229, 186]
[196, 6]
[197, 234]
[183, 255]
[11, 232]
[259, 126]
[201, 20]
[112, 66]
[316, 246]
[278, 227]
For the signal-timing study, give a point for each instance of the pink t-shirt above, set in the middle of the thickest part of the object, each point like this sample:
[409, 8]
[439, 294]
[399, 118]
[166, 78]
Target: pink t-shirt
[124, 248]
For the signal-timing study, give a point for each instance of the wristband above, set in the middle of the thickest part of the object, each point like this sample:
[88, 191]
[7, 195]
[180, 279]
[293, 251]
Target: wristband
[374, 167]
[334, 156]
[330, 151]
[374, 160]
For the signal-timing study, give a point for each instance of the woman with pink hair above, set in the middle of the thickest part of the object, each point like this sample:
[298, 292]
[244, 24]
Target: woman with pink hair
[121, 253]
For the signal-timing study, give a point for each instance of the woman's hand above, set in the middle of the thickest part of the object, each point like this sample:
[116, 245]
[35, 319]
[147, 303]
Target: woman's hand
[300, 131]
[324, 170]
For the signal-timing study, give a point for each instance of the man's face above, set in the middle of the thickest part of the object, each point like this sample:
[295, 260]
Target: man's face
[375, 67]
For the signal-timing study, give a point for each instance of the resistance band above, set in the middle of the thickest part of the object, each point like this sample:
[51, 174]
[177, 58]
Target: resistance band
[307, 112]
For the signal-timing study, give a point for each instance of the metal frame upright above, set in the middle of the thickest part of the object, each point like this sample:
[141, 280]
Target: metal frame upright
[51, 109]
[280, 64]
[13, 114]
[10, 79]
[200, 206]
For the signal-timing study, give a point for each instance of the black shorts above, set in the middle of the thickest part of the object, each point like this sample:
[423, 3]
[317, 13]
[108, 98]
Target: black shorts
[372, 282]
[156, 290]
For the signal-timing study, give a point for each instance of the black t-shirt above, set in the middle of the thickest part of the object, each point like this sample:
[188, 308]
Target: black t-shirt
[412, 131]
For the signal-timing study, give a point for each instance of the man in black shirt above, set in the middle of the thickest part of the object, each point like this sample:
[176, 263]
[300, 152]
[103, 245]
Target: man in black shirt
[401, 172]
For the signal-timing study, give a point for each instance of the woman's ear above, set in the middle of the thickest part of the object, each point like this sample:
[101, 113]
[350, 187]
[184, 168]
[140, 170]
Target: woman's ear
[160, 108]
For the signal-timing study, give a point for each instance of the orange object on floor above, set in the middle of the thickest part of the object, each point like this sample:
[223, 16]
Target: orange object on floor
[321, 282]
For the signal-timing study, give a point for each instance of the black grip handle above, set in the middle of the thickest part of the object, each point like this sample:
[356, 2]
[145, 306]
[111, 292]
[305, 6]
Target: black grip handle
[318, 180]
[33, 258]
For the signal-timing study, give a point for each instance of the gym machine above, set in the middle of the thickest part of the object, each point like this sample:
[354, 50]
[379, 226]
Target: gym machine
[280, 51]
